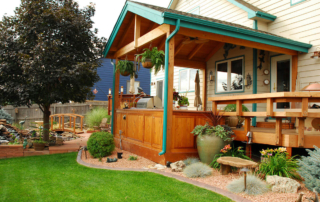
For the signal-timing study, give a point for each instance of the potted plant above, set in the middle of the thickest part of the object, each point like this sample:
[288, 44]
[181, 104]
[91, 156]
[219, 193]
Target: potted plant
[211, 138]
[39, 145]
[152, 58]
[234, 121]
[183, 102]
[125, 68]
[175, 97]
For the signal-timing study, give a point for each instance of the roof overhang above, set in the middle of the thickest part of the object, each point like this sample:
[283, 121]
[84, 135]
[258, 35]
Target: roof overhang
[206, 26]
[254, 15]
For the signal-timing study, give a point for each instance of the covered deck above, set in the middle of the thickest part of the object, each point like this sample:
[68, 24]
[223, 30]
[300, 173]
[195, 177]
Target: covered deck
[165, 134]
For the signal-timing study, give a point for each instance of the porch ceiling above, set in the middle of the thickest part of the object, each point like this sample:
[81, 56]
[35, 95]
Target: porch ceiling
[218, 33]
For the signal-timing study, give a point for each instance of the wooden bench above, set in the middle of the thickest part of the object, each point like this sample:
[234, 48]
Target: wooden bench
[226, 163]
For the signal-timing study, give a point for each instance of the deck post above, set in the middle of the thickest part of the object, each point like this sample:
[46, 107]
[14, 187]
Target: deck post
[204, 89]
[239, 108]
[278, 131]
[115, 99]
[304, 107]
[59, 121]
[214, 106]
[246, 130]
[81, 122]
[270, 107]
[301, 132]
[70, 119]
[51, 122]
[289, 151]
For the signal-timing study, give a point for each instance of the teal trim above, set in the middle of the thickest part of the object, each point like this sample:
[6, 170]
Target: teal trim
[113, 90]
[243, 73]
[183, 69]
[236, 32]
[252, 13]
[255, 76]
[292, 4]
[165, 108]
[198, 7]
[255, 24]
[158, 79]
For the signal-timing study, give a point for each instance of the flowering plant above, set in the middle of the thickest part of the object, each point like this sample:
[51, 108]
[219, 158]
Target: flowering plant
[176, 96]
[229, 151]
[272, 152]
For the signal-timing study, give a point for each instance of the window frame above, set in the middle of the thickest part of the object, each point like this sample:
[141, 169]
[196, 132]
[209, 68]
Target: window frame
[229, 75]
[299, 1]
[188, 77]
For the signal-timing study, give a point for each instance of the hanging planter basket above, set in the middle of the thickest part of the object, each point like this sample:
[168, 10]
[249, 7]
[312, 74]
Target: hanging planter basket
[147, 64]
[125, 73]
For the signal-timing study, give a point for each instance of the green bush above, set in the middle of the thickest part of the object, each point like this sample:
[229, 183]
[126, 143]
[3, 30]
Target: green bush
[281, 165]
[133, 158]
[255, 186]
[229, 151]
[190, 161]
[197, 170]
[233, 107]
[309, 169]
[95, 116]
[100, 144]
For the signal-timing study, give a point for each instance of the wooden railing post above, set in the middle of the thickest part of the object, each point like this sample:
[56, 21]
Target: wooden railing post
[51, 122]
[301, 131]
[214, 106]
[81, 123]
[59, 121]
[270, 107]
[278, 131]
[70, 121]
[62, 122]
[247, 127]
[239, 108]
[304, 107]
[74, 125]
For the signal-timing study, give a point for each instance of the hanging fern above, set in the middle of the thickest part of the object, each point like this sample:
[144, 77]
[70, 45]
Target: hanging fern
[125, 66]
[156, 56]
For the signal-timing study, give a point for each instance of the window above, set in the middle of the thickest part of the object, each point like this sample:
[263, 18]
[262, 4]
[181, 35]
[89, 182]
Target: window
[229, 75]
[195, 11]
[136, 85]
[186, 80]
[294, 2]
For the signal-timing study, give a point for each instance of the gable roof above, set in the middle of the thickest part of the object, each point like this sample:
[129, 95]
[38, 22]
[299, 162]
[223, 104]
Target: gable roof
[162, 15]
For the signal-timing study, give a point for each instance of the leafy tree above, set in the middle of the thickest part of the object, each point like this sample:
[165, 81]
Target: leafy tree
[48, 54]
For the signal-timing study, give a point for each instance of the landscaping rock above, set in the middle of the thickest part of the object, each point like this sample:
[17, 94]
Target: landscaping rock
[159, 167]
[283, 184]
[177, 166]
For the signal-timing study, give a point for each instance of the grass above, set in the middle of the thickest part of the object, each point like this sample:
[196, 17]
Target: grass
[59, 177]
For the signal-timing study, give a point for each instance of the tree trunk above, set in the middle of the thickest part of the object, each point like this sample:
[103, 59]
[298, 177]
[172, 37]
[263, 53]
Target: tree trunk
[46, 125]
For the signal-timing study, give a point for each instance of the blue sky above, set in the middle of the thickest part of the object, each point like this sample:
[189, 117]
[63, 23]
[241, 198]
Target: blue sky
[107, 11]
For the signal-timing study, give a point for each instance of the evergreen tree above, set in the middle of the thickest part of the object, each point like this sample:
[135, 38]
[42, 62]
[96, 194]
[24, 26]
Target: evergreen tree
[48, 54]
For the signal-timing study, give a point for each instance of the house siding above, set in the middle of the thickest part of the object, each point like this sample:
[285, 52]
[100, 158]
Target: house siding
[106, 75]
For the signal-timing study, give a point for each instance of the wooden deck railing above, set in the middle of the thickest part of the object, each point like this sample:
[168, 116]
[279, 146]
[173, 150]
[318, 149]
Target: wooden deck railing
[304, 98]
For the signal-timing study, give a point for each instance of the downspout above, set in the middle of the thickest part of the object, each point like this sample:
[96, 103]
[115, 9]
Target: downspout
[165, 108]
[113, 90]
[255, 74]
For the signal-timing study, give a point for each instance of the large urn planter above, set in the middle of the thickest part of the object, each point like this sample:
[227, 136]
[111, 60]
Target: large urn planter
[147, 64]
[208, 146]
[39, 146]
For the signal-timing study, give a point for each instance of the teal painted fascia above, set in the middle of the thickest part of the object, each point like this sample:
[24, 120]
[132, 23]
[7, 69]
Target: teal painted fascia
[145, 12]
[291, 4]
[252, 13]
[243, 72]
[166, 81]
[113, 90]
[236, 32]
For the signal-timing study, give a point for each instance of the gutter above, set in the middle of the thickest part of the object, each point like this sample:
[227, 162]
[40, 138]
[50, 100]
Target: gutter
[113, 90]
[165, 110]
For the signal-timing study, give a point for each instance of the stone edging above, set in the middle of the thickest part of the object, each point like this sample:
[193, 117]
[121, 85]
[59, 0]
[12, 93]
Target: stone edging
[177, 177]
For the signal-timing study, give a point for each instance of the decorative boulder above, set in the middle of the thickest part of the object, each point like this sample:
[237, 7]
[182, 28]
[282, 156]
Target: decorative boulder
[177, 166]
[283, 184]
[159, 167]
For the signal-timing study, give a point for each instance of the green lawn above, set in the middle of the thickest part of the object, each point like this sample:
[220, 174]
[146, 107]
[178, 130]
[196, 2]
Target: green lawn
[60, 178]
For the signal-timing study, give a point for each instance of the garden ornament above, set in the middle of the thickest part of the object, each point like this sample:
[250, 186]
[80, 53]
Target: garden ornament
[25, 143]
[111, 160]
[22, 122]
[245, 170]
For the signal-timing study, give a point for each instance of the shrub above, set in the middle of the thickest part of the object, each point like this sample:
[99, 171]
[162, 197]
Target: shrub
[133, 158]
[228, 151]
[309, 169]
[197, 170]
[100, 144]
[190, 161]
[95, 116]
[281, 165]
[255, 186]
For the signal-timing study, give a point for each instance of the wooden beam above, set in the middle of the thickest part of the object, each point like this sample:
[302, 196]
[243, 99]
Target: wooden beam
[214, 107]
[278, 131]
[162, 43]
[125, 34]
[301, 132]
[194, 51]
[214, 50]
[189, 63]
[236, 41]
[137, 29]
[154, 34]
[178, 48]
[204, 88]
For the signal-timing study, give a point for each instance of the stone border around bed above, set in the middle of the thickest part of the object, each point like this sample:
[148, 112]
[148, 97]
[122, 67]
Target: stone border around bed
[180, 178]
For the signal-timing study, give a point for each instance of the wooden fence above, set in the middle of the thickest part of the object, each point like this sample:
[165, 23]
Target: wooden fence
[33, 113]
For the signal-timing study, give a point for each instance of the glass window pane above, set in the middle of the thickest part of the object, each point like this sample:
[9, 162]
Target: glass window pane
[283, 80]
[236, 75]
[222, 77]
[192, 77]
[183, 80]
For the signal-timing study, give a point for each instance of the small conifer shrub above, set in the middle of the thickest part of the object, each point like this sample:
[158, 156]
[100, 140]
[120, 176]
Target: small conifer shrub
[197, 170]
[309, 169]
[190, 161]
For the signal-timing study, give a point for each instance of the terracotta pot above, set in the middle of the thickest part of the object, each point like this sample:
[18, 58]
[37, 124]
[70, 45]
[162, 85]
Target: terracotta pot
[208, 146]
[125, 73]
[147, 64]
[39, 146]
[232, 121]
